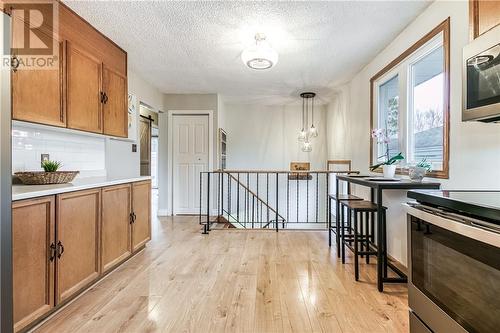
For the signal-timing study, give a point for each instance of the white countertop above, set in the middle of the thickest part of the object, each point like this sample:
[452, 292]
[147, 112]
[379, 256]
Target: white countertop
[20, 192]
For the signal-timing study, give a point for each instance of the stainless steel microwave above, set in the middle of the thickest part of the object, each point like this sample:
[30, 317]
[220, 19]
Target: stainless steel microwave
[481, 78]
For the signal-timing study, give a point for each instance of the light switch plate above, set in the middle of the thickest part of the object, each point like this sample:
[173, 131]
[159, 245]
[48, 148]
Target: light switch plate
[44, 157]
[134, 148]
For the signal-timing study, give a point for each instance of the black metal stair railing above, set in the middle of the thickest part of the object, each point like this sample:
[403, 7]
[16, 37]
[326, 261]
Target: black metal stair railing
[260, 199]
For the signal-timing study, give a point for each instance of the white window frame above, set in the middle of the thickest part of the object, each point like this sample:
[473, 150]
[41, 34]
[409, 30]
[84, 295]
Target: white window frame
[436, 42]
[403, 69]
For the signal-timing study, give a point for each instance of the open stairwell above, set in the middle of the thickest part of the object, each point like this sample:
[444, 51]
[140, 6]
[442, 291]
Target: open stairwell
[265, 199]
[251, 211]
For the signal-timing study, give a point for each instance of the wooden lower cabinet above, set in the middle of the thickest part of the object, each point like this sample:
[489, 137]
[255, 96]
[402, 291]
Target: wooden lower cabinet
[33, 260]
[78, 221]
[115, 225]
[141, 207]
[63, 243]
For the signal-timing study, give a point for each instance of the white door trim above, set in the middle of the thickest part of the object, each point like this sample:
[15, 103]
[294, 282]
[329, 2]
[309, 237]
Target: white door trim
[170, 155]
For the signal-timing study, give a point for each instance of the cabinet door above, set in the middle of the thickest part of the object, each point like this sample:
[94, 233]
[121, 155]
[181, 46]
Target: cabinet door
[84, 107]
[141, 207]
[33, 262]
[115, 111]
[489, 15]
[77, 236]
[484, 15]
[115, 225]
[37, 89]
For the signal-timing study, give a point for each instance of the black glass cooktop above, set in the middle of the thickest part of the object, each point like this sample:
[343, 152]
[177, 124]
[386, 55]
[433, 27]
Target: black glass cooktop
[484, 204]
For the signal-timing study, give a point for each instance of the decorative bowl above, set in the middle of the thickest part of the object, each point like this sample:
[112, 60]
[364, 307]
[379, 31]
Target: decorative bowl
[45, 178]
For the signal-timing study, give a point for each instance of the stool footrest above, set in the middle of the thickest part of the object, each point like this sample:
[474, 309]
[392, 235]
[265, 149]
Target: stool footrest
[367, 253]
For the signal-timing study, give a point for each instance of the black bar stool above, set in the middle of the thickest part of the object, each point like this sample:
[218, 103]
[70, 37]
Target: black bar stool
[339, 220]
[361, 236]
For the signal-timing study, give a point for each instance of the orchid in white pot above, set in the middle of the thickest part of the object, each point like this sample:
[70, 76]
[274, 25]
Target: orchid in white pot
[390, 163]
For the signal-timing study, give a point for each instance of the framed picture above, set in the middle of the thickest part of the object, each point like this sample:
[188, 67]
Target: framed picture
[299, 166]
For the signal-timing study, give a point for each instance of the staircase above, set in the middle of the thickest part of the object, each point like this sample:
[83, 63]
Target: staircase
[252, 211]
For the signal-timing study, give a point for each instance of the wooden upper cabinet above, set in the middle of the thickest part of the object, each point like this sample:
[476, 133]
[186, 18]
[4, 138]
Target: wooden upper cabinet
[141, 207]
[483, 16]
[77, 235]
[115, 111]
[75, 29]
[69, 93]
[83, 107]
[37, 90]
[33, 223]
[115, 225]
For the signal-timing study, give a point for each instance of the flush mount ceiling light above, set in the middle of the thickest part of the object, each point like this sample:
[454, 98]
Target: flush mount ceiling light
[261, 55]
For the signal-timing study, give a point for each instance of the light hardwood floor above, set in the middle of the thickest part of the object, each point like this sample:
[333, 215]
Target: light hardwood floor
[235, 281]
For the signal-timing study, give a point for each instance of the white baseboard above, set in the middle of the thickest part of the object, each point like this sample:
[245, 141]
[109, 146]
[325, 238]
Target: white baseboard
[166, 212]
[163, 212]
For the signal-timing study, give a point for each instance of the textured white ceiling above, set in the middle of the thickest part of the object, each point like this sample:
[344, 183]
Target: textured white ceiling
[195, 46]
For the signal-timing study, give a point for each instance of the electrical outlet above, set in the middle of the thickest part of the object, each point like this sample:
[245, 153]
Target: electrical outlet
[134, 148]
[44, 157]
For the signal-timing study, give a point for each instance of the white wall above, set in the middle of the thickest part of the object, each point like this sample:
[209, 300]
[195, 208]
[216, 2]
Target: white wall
[474, 147]
[121, 162]
[180, 102]
[265, 137]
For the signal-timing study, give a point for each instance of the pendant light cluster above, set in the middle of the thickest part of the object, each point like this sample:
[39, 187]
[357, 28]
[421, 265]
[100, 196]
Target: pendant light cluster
[307, 133]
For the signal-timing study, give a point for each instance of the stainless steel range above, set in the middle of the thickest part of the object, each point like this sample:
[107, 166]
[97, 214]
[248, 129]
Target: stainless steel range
[454, 261]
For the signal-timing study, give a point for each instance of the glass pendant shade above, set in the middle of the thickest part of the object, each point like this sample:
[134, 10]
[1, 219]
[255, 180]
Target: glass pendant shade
[313, 132]
[261, 55]
[306, 147]
[302, 135]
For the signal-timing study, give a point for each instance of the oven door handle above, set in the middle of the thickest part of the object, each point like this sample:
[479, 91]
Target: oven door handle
[475, 230]
[485, 226]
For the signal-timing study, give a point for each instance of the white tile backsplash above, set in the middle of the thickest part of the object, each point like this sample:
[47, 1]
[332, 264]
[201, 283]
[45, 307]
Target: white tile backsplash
[75, 151]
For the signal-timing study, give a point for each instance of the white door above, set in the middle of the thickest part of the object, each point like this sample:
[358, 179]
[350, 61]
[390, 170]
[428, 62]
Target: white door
[190, 157]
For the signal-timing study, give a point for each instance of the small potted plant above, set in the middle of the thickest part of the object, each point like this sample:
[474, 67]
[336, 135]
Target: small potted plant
[389, 166]
[418, 171]
[49, 175]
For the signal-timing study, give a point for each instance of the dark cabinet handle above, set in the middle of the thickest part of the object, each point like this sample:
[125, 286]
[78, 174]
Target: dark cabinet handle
[60, 249]
[14, 63]
[52, 250]
[105, 98]
[131, 218]
[102, 97]
[135, 217]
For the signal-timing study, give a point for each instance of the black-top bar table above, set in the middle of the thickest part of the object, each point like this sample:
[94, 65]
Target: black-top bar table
[377, 187]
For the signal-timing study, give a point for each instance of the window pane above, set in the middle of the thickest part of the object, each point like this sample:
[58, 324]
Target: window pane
[388, 111]
[427, 90]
